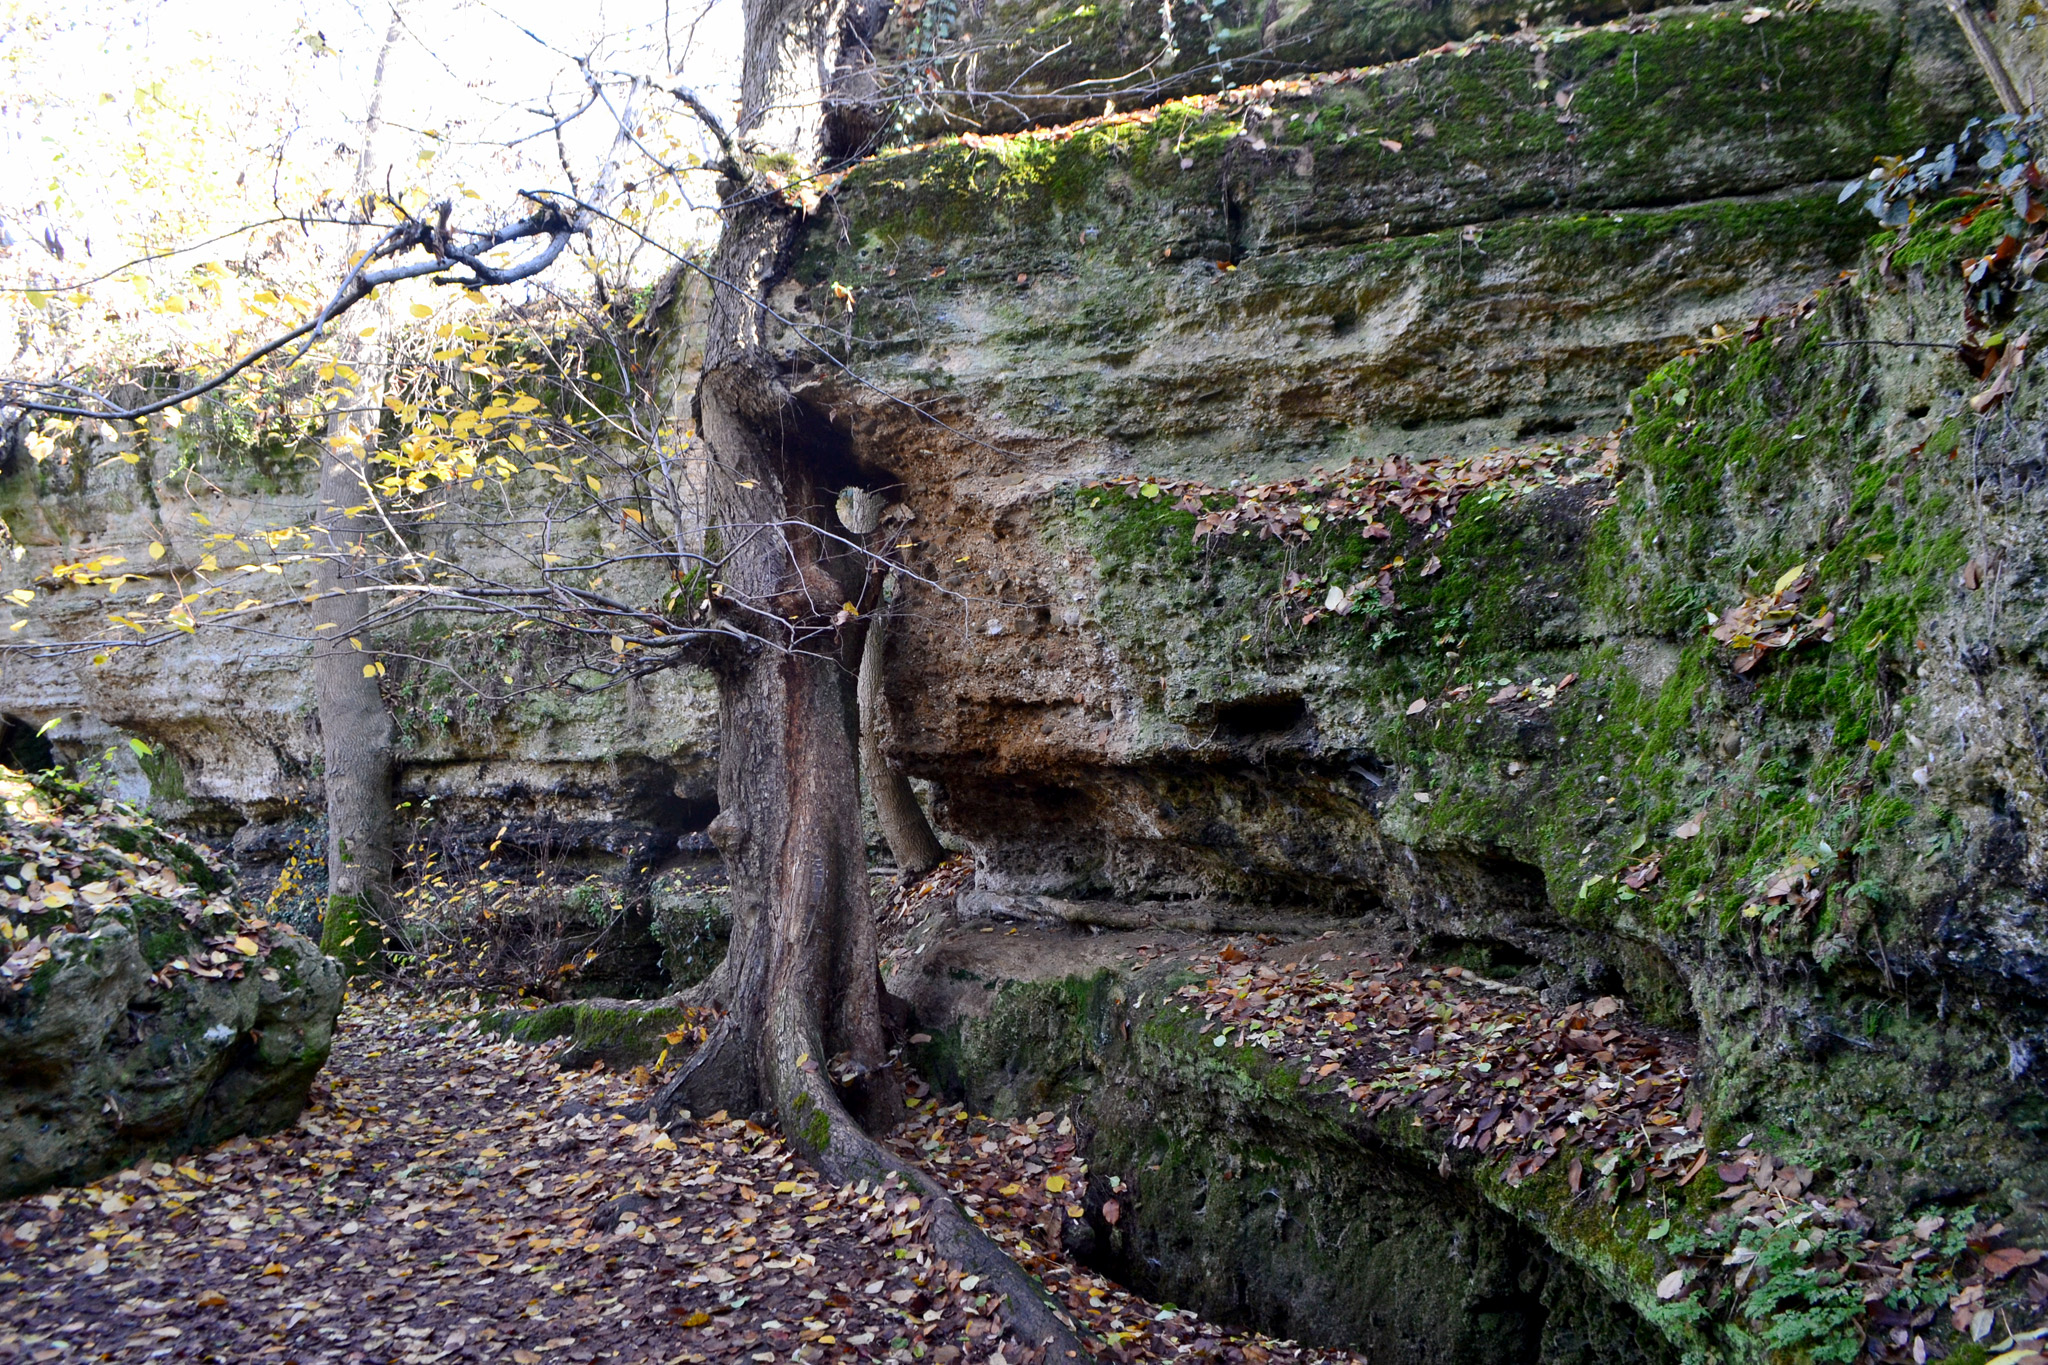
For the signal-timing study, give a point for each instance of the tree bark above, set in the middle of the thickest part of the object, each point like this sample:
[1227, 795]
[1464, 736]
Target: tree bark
[356, 733]
[909, 834]
[800, 1030]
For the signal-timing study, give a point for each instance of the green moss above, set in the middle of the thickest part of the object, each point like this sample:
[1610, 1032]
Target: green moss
[619, 1035]
[350, 934]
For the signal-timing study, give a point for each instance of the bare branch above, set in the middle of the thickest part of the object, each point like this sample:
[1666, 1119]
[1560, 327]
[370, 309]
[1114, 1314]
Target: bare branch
[729, 164]
[548, 221]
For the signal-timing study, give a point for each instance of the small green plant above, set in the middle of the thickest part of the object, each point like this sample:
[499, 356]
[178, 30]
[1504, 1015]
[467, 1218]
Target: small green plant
[1801, 1298]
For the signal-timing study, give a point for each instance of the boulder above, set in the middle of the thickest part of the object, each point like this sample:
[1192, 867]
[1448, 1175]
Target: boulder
[141, 1011]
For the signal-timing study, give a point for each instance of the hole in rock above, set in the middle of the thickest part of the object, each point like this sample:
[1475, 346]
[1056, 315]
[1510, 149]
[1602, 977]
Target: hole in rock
[1333, 1244]
[1544, 426]
[22, 749]
[1490, 957]
[1249, 717]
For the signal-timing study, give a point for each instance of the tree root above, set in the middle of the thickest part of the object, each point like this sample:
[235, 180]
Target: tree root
[848, 1153]
[816, 1120]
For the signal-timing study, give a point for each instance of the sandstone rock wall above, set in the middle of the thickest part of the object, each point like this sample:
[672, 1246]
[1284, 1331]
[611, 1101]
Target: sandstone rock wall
[1511, 741]
[615, 776]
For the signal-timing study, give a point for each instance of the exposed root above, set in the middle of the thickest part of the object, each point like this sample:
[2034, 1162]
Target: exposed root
[847, 1153]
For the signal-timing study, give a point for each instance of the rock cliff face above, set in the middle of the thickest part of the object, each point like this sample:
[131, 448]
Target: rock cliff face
[1496, 730]
[614, 778]
[1511, 740]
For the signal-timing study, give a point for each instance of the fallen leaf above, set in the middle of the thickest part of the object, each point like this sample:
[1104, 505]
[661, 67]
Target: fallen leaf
[2001, 1263]
[1672, 1285]
[1418, 706]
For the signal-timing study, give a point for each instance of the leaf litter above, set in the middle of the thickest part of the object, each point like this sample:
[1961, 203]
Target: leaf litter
[1485, 1068]
[452, 1196]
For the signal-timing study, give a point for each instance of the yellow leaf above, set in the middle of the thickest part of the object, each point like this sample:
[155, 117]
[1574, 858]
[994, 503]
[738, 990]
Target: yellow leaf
[696, 1319]
[369, 670]
[785, 1187]
[420, 310]
[525, 403]
[664, 1143]
[672, 1038]
[156, 549]
[264, 296]
[595, 486]
[21, 597]
[618, 644]
[1055, 1183]
[1789, 577]
[246, 946]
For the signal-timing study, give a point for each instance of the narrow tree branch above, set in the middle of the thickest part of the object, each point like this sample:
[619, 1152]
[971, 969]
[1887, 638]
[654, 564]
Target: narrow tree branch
[1987, 57]
[729, 163]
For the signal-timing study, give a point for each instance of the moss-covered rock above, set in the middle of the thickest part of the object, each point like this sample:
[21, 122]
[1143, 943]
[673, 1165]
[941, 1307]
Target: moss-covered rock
[139, 1012]
[1515, 739]
[1241, 1192]
[1484, 244]
[619, 1033]
[1013, 63]
[692, 923]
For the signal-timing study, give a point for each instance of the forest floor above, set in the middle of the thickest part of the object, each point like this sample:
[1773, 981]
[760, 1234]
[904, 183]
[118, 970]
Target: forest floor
[451, 1196]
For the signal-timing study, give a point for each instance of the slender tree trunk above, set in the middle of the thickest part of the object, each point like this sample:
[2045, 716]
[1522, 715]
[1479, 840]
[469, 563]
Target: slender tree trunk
[909, 834]
[801, 1028]
[356, 733]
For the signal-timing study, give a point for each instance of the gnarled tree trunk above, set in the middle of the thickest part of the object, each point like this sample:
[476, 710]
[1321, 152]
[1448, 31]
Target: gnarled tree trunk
[801, 1027]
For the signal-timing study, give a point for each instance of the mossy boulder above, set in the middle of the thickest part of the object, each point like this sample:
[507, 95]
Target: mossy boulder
[141, 1012]
[691, 921]
[619, 1033]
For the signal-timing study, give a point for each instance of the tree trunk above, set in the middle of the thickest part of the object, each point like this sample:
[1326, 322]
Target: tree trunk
[909, 834]
[801, 1029]
[356, 733]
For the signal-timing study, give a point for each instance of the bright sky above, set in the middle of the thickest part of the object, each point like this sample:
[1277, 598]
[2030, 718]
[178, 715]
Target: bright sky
[144, 124]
